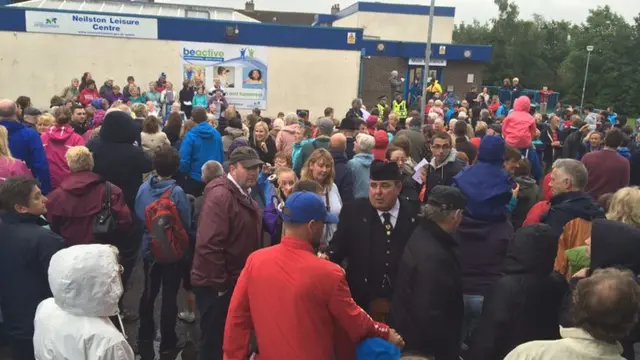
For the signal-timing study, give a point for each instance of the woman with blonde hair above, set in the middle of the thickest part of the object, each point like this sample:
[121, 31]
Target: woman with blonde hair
[624, 206]
[10, 166]
[45, 121]
[319, 167]
[73, 206]
[263, 143]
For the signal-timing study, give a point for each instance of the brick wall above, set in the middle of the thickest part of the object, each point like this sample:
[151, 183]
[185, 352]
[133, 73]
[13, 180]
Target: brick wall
[375, 82]
[455, 74]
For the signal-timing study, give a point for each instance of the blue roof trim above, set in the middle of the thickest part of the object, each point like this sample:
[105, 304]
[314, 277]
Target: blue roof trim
[455, 52]
[12, 20]
[442, 11]
[203, 30]
[268, 34]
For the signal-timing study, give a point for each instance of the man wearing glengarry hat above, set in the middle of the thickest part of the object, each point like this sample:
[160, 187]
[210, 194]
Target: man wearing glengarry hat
[230, 228]
[371, 237]
[427, 307]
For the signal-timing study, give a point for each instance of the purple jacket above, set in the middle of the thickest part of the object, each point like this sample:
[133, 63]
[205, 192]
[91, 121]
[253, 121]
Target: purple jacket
[272, 222]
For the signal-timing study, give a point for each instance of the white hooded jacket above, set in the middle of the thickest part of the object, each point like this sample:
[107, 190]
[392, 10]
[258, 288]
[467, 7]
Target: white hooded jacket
[74, 324]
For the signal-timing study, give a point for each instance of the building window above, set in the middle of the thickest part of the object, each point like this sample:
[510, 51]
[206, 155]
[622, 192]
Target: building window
[196, 14]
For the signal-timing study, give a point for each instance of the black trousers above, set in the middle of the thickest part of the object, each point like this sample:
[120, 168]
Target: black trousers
[213, 315]
[21, 349]
[168, 276]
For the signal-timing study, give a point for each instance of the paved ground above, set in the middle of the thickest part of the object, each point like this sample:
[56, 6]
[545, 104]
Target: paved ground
[131, 302]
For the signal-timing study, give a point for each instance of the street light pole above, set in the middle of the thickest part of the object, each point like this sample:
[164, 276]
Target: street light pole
[586, 72]
[427, 59]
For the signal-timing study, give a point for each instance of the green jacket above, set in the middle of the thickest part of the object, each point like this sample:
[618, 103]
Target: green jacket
[578, 259]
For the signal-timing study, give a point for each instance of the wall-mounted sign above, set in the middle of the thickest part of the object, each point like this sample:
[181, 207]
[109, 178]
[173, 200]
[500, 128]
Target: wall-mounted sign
[380, 47]
[240, 70]
[351, 38]
[432, 62]
[467, 54]
[442, 50]
[91, 25]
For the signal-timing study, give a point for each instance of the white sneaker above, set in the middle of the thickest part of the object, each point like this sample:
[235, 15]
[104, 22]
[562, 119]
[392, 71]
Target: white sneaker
[187, 316]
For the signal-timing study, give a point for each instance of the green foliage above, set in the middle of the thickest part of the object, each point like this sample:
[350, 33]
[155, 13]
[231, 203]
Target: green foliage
[553, 53]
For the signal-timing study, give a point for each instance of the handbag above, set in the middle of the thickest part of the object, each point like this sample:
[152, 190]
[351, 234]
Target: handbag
[104, 224]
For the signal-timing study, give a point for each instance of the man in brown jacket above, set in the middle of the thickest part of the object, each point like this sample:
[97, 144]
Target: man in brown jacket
[572, 210]
[229, 229]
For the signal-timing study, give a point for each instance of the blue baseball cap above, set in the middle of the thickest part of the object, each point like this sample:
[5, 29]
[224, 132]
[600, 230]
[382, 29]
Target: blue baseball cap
[304, 206]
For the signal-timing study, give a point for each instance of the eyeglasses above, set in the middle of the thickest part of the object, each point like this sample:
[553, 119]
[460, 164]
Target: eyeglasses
[441, 147]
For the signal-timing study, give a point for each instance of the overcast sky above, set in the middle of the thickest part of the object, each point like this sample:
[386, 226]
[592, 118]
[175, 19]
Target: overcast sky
[466, 10]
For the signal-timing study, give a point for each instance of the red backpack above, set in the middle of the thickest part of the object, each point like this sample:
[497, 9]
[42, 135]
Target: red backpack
[168, 239]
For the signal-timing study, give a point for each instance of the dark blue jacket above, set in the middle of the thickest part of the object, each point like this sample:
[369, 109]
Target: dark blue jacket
[482, 247]
[343, 177]
[25, 251]
[25, 144]
[485, 184]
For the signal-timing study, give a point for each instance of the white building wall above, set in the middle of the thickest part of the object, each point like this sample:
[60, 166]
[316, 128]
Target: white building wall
[400, 27]
[298, 78]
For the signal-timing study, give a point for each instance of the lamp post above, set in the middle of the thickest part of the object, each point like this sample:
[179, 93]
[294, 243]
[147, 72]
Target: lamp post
[586, 72]
[427, 59]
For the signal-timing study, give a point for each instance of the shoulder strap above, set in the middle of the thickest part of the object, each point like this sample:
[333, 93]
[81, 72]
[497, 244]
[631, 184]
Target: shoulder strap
[167, 194]
[107, 195]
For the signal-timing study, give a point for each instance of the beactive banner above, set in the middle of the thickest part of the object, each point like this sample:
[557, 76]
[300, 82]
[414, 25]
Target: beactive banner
[90, 24]
[239, 70]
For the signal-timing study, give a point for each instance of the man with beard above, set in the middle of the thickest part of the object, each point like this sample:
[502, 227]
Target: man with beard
[229, 230]
[290, 276]
[371, 237]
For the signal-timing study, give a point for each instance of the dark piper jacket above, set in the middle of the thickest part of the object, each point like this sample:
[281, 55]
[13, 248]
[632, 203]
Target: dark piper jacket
[353, 241]
[524, 304]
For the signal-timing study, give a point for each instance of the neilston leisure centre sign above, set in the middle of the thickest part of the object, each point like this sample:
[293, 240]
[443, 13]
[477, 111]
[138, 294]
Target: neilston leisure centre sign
[91, 24]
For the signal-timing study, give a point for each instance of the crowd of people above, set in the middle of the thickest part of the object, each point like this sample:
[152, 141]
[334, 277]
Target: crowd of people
[474, 233]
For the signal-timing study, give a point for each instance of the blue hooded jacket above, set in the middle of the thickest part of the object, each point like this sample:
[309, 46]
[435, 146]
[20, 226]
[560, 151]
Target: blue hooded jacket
[360, 166]
[25, 144]
[486, 184]
[150, 191]
[200, 144]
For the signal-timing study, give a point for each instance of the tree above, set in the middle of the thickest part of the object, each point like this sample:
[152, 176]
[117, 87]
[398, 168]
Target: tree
[553, 53]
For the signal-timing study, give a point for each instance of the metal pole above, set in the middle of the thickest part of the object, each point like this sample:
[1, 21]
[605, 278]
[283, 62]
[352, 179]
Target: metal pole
[586, 72]
[427, 59]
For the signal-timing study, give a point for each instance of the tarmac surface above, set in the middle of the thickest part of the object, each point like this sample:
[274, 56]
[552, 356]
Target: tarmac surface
[185, 331]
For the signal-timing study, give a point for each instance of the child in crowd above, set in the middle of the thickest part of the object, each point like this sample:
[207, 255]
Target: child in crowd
[545, 93]
[200, 99]
[101, 106]
[519, 129]
[166, 163]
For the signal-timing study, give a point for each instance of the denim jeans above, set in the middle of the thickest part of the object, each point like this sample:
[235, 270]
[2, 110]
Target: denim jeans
[472, 312]
[213, 315]
[168, 276]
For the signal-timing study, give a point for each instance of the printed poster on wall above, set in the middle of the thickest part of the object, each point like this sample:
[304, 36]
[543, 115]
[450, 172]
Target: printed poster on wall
[240, 70]
[91, 25]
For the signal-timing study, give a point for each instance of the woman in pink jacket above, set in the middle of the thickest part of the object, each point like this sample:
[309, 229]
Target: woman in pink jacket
[287, 136]
[10, 166]
[519, 127]
[56, 141]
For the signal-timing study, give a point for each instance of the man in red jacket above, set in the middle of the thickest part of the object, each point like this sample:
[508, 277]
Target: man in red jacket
[296, 302]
